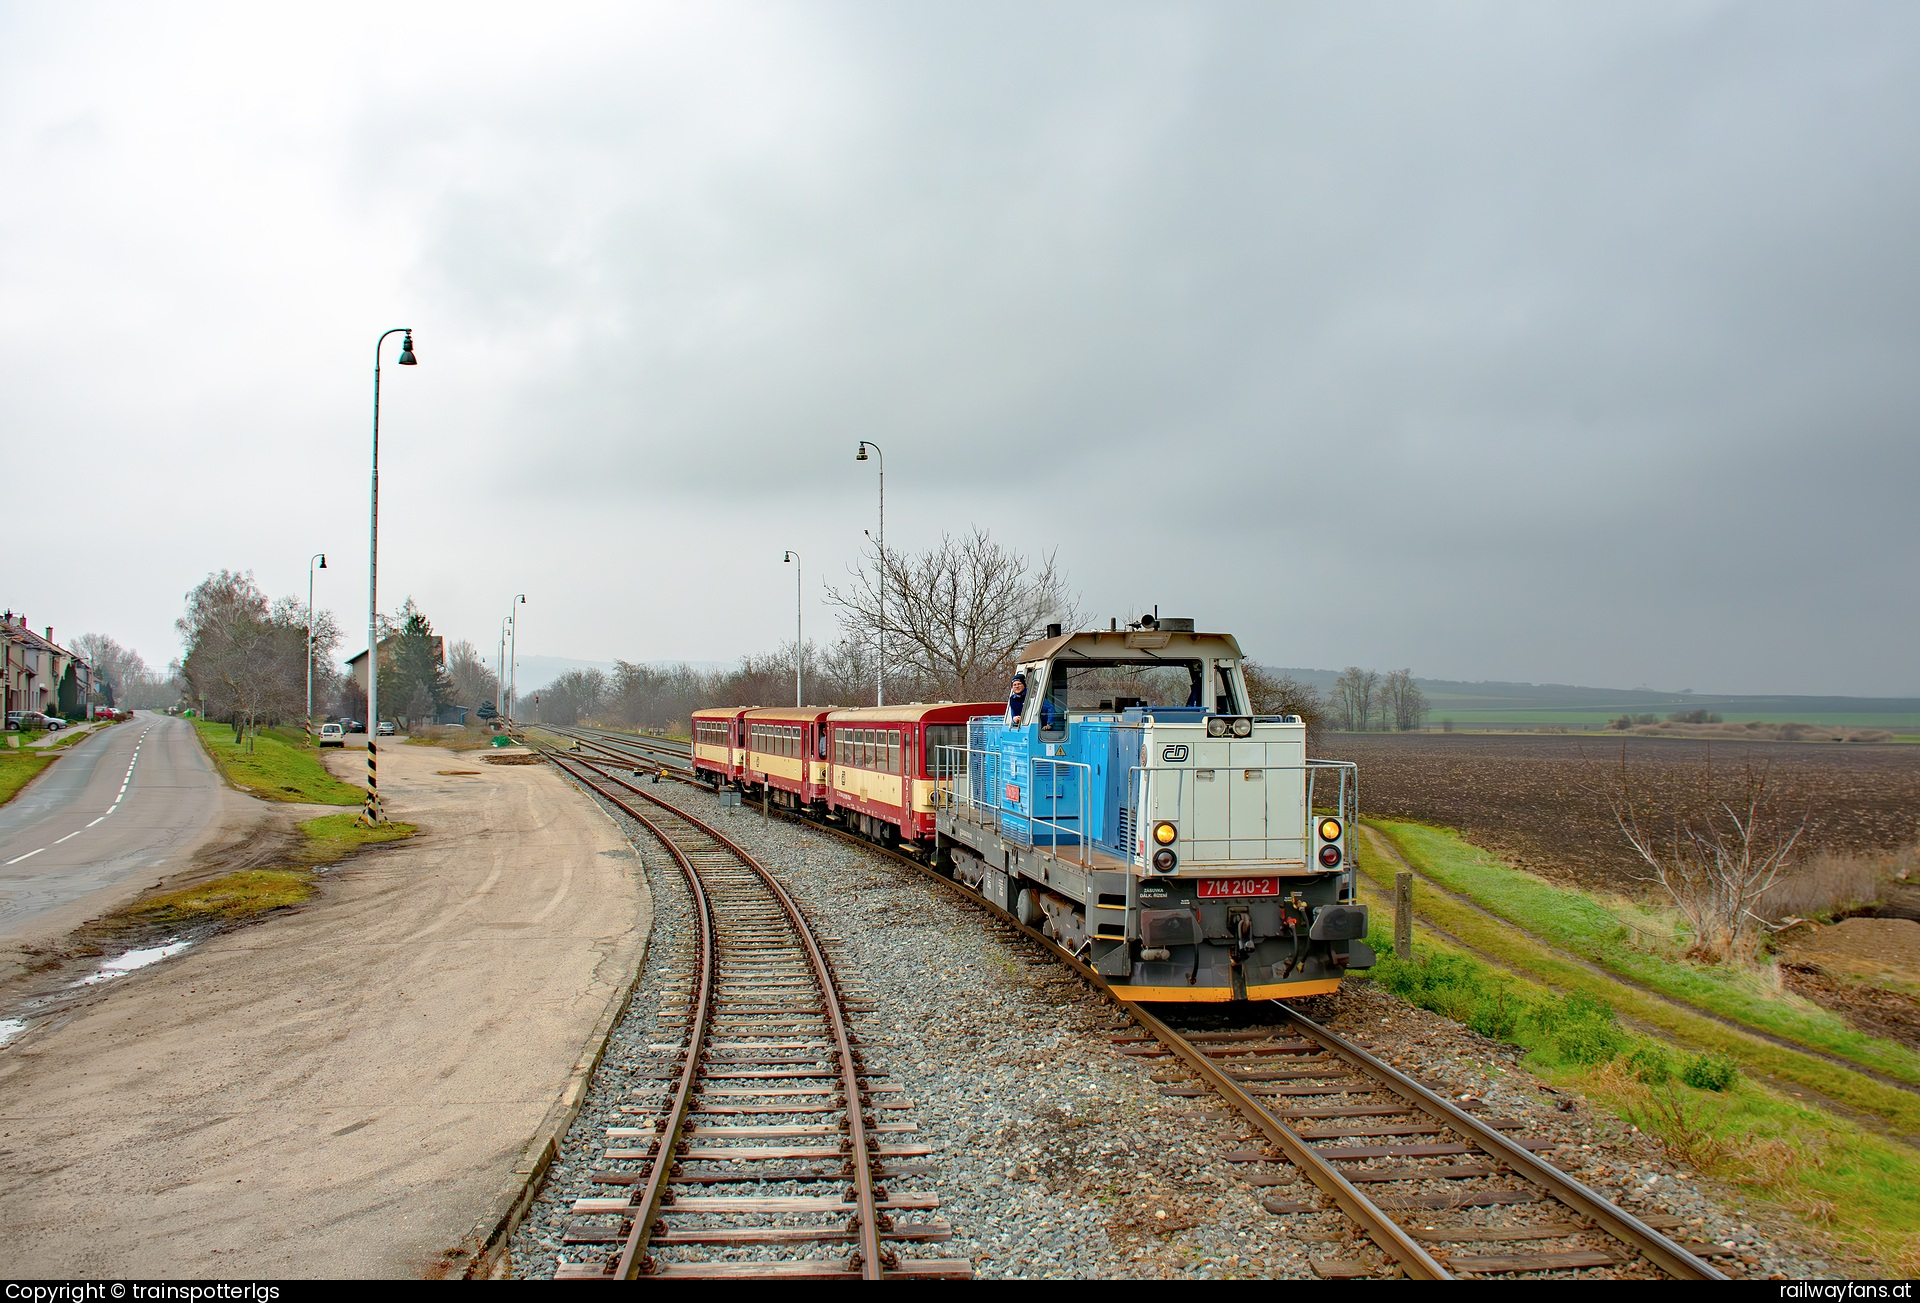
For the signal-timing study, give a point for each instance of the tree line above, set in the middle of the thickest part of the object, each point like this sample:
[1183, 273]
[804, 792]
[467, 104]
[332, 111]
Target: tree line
[1367, 700]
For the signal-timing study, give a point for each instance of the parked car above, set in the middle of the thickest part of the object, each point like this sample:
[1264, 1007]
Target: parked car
[352, 726]
[386, 728]
[332, 735]
[104, 712]
[53, 722]
[25, 719]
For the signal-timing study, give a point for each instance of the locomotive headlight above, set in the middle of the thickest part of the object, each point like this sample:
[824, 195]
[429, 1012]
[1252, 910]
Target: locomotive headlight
[1165, 833]
[1329, 830]
[1164, 860]
[1216, 727]
[1330, 855]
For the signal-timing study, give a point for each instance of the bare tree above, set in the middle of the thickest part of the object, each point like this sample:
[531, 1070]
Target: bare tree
[246, 659]
[1282, 694]
[956, 614]
[1402, 701]
[574, 696]
[121, 670]
[1355, 693]
[1714, 859]
[473, 682]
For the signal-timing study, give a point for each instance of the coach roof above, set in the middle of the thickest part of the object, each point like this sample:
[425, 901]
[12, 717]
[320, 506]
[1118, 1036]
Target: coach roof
[1112, 644]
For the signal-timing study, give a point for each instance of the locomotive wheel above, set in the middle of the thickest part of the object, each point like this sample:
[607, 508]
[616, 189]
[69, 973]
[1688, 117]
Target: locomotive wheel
[1027, 907]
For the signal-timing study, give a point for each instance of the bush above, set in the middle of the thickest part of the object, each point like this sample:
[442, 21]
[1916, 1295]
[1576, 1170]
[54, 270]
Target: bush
[1452, 985]
[1579, 1027]
[1715, 1072]
[1651, 1064]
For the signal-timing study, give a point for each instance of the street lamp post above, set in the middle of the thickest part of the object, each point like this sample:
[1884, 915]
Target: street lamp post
[406, 358]
[513, 654]
[799, 642]
[321, 557]
[880, 670]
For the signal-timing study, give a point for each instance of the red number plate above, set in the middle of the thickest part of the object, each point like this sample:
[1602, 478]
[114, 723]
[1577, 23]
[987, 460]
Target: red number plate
[1216, 888]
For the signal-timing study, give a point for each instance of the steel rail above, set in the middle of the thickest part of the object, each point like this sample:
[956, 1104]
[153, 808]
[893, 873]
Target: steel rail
[873, 1259]
[633, 1253]
[1670, 1257]
[1380, 1227]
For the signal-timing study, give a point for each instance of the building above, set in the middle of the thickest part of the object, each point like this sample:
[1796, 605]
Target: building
[39, 674]
[357, 665]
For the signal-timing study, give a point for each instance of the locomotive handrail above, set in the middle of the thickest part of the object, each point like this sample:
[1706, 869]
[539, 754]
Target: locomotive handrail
[1081, 817]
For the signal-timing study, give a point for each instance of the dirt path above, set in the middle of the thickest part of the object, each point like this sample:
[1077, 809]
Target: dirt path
[343, 1090]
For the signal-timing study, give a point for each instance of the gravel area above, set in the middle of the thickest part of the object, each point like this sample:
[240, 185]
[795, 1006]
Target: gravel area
[1055, 1153]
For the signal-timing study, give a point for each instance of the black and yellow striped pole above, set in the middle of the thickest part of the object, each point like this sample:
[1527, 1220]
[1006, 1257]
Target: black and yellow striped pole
[372, 813]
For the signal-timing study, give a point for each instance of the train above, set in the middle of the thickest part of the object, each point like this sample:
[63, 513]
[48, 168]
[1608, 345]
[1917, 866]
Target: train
[1125, 800]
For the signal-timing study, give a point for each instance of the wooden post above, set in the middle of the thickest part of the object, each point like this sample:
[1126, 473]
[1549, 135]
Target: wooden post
[1403, 915]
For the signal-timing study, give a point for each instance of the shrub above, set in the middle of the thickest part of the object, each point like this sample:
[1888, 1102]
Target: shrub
[1715, 1072]
[1651, 1064]
[1579, 1027]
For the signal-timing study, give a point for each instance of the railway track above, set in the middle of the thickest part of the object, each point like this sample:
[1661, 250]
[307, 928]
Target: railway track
[758, 1133]
[1440, 1191]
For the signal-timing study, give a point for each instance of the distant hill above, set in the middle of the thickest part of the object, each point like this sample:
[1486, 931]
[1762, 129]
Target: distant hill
[1560, 703]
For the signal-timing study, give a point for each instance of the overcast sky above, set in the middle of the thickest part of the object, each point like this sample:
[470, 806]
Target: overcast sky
[1548, 342]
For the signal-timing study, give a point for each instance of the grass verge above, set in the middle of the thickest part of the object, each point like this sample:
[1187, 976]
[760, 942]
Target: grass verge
[1797, 1157]
[1630, 942]
[18, 768]
[279, 768]
[332, 836]
[1523, 954]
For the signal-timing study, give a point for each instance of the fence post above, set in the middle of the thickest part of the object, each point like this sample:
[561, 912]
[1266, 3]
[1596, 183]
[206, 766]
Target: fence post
[1403, 915]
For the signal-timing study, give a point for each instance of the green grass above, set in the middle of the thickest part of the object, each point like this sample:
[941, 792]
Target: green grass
[332, 836]
[1522, 954]
[279, 768]
[1629, 941]
[253, 892]
[18, 768]
[1798, 1157]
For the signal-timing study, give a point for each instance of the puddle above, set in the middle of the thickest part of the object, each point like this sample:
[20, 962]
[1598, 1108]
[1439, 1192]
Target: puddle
[10, 1029]
[131, 961]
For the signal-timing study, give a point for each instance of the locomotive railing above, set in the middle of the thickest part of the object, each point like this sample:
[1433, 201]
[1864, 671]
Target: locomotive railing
[973, 780]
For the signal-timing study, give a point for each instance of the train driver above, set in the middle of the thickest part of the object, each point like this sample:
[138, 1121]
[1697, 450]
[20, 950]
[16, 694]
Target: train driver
[1017, 700]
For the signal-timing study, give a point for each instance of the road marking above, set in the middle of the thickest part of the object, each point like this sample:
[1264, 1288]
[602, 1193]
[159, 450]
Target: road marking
[69, 837]
[29, 855]
[97, 820]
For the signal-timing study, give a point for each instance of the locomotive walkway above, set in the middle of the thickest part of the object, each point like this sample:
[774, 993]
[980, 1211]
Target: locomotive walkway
[347, 1089]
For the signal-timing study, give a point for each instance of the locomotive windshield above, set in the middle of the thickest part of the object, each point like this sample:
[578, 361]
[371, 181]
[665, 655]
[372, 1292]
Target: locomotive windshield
[1081, 686]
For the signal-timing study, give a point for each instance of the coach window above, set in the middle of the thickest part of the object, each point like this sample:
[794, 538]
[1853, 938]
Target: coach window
[893, 751]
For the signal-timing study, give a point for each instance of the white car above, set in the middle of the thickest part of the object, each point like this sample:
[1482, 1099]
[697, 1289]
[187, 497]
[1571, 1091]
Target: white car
[332, 735]
[386, 728]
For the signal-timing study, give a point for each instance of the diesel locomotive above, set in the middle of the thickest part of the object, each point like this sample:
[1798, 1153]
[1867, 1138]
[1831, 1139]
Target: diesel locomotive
[1125, 800]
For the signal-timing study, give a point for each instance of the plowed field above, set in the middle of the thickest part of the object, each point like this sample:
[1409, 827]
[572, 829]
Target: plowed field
[1542, 801]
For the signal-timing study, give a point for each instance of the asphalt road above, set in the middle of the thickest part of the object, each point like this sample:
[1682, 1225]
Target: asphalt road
[112, 810]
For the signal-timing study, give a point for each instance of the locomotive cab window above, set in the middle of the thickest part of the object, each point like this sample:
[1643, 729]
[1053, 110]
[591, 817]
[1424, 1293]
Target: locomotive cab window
[1077, 687]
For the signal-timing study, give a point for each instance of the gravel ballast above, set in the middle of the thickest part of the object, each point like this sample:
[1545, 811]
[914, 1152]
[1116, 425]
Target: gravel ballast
[1055, 1154]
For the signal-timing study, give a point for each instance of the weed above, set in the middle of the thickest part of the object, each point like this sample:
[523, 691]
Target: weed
[1651, 1064]
[1579, 1026]
[1688, 1129]
[1715, 1072]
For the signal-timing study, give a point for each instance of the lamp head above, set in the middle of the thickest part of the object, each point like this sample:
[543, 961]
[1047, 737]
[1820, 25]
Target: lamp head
[323, 560]
[406, 350]
[860, 453]
[786, 558]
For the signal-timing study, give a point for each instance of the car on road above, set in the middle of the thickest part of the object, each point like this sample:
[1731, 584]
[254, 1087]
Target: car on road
[352, 726]
[386, 728]
[332, 735]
